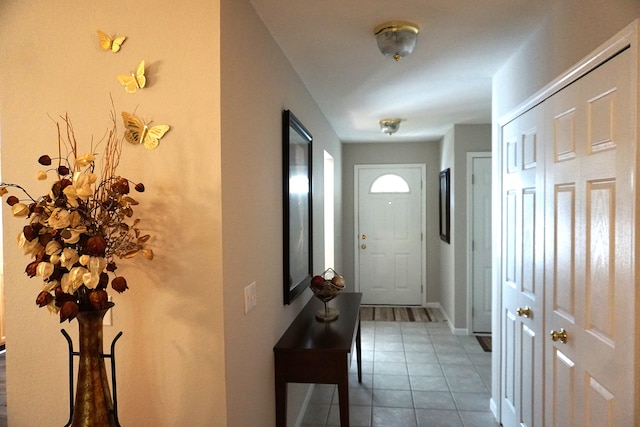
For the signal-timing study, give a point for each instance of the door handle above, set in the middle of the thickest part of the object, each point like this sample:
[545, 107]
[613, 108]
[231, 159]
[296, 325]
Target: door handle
[524, 312]
[363, 246]
[560, 335]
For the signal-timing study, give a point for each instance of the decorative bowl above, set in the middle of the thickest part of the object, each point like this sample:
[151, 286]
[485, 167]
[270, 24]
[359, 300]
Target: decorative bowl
[326, 287]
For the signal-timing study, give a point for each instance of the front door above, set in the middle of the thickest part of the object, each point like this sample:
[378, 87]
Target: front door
[389, 222]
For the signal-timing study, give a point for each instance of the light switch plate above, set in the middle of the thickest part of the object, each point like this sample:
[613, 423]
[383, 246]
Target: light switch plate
[250, 297]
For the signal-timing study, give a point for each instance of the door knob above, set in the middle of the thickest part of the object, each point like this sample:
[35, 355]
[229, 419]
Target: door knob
[524, 312]
[363, 246]
[560, 335]
[364, 236]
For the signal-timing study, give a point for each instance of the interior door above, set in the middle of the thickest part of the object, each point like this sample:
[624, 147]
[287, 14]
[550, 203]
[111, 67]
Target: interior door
[522, 278]
[480, 223]
[590, 251]
[389, 223]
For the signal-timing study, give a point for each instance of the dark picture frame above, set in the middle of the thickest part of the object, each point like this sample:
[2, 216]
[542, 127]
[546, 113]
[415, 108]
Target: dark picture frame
[297, 207]
[445, 204]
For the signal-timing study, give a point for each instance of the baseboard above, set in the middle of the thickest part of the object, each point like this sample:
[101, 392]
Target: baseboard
[454, 331]
[494, 409]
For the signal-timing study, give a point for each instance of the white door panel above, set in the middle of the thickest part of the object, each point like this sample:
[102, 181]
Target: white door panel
[522, 275]
[589, 249]
[480, 230]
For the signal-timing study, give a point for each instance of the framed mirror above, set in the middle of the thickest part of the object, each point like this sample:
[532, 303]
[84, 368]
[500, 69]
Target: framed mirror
[445, 204]
[297, 239]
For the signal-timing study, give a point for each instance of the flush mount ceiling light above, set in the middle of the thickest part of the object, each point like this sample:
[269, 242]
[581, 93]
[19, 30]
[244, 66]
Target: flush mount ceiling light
[389, 126]
[396, 38]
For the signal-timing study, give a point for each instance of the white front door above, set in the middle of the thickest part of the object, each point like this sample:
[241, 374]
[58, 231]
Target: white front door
[389, 225]
[479, 165]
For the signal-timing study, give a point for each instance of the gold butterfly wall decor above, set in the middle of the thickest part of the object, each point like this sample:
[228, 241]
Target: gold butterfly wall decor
[108, 43]
[138, 132]
[133, 81]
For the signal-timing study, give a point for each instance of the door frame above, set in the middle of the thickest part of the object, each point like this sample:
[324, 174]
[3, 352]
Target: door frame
[423, 220]
[470, 156]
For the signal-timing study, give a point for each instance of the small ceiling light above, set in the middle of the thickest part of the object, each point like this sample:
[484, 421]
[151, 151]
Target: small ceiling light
[389, 126]
[396, 38]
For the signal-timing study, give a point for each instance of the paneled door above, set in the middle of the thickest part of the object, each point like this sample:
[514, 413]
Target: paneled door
[479, 211]
[522, 271]
[389, 223]
[590, 250]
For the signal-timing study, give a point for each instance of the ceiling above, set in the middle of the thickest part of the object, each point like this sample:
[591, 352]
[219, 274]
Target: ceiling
[445, 81]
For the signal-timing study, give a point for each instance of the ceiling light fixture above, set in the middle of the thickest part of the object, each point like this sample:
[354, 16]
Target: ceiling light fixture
[390, 126]
[396, 38]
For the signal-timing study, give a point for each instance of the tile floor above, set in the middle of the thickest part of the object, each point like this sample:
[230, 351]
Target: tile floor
[414, 374]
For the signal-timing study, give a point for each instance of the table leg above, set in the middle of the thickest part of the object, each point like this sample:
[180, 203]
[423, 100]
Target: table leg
[343, 396]
[359, 352]
[281, 402]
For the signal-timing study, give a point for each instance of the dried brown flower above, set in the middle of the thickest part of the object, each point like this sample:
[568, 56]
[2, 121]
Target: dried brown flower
[96, 246]
[119, 284]
[68, 311]
[44, 160]
[44, 298]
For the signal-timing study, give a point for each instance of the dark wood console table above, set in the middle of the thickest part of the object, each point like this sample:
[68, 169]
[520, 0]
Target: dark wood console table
[318, 353]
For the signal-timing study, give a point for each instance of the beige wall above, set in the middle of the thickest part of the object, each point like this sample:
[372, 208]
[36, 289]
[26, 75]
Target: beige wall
[213, 202]
[171, 317]
[459, 141]
[257, 84]
[171, 357]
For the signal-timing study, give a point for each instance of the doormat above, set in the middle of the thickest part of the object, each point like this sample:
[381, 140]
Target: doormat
[485, 342]
[397, 314]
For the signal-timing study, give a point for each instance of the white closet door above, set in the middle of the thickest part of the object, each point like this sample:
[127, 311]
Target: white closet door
[589, 245]
[522, 271]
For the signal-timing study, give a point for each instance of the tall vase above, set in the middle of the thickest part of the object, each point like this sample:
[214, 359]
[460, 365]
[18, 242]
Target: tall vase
[93, 403]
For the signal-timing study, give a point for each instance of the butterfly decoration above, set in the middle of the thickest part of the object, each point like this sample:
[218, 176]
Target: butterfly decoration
[108, 43]
[138, 132]
[133, 81]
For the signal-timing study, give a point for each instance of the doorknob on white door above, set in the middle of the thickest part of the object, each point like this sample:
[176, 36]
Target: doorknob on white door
[560, 335]
[363, 246]
[524, 312]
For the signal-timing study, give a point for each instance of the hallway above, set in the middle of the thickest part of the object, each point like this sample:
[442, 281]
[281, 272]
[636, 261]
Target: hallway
[414, 374]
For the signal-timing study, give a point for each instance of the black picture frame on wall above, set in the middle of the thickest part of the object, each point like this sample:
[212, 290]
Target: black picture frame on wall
[445, 204]
[297, 207]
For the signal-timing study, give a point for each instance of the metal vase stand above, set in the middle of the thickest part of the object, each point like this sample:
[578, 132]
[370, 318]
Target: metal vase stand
[111, 356]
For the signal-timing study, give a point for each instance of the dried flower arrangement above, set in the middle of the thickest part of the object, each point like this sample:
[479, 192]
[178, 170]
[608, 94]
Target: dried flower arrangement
[76, 231]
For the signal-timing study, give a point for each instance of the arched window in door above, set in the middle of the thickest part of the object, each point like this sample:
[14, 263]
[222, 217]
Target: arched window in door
[389, 183]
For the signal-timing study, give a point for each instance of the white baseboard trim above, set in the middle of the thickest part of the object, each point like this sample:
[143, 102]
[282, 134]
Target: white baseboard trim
[454, 331]
[494, 409]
